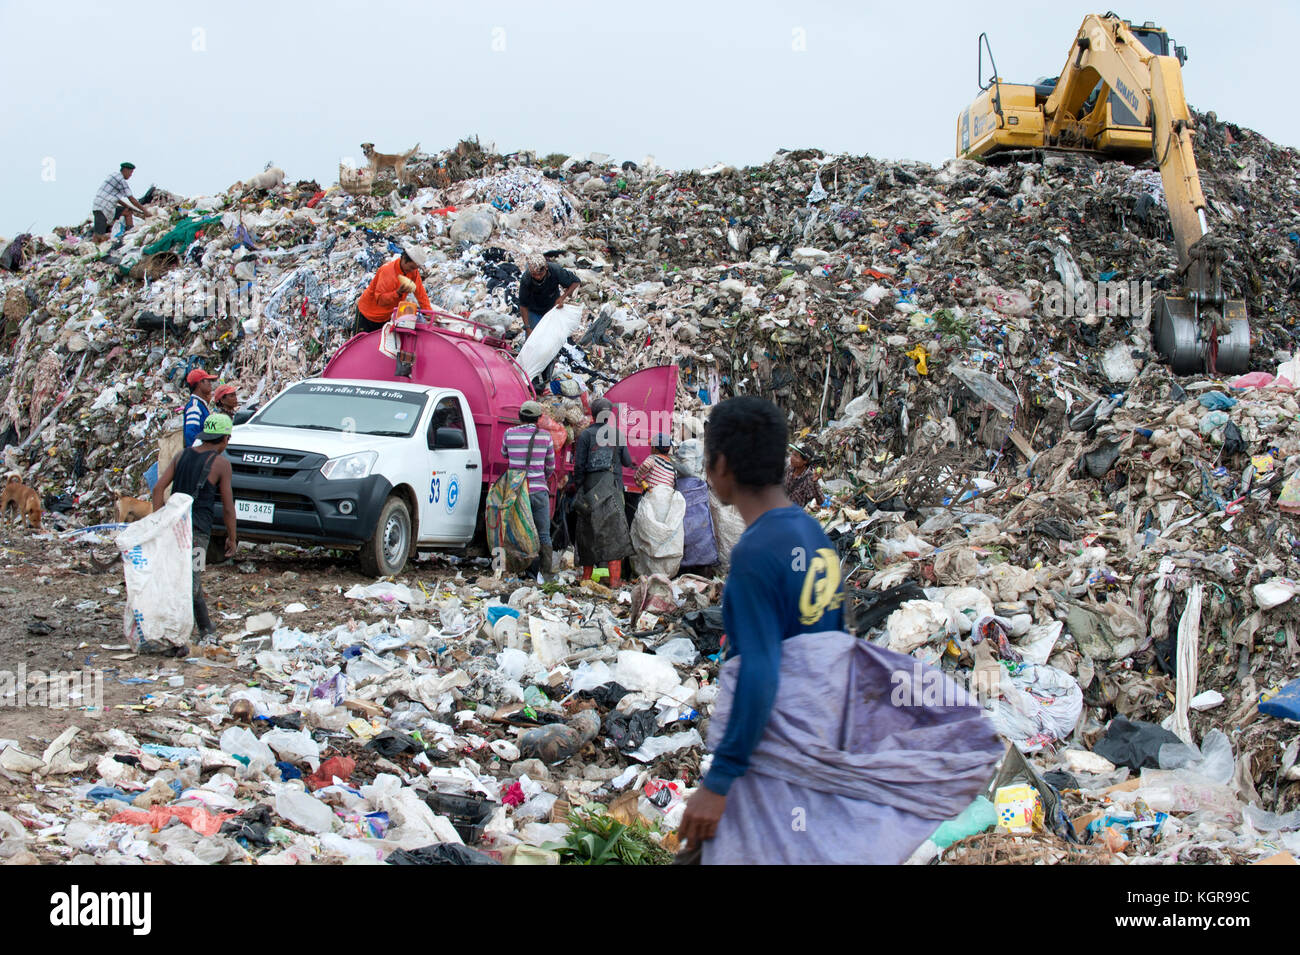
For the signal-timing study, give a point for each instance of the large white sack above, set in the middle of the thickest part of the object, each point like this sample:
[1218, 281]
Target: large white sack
[659, 531]
[544, 341]
[157, 558]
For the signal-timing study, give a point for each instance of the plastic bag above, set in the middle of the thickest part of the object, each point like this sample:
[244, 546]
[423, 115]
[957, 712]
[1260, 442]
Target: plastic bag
[1288, 501]
[1042, 704]
[545, 341]
[1007, 301]
[728, 525]
[508, 515]
[1213, 760]
[658, 531]
[304, 810]
[646, 673]
[240, 742]
[157, 556]
[679, 650]
[688, 457]
[988, 388]
[914, 623]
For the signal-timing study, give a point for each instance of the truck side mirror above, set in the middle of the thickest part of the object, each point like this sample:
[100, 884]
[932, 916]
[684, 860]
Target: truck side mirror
[241, 416]
[1181, 53]
[448, 439]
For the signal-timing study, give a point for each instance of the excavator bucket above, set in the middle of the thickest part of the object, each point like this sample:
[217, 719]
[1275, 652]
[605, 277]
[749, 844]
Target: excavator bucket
[1181, 340]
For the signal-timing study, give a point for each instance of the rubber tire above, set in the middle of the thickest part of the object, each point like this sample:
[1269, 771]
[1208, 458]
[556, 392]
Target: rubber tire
[375, 562]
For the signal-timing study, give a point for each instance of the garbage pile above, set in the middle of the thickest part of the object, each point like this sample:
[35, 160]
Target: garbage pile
[1020, 492]
[446, 720]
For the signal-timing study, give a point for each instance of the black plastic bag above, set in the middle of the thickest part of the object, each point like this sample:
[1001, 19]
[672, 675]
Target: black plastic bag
[704, 628]
[607, 694]
[1133, 743]
[869, 609]
[441, 853]
[628, 731]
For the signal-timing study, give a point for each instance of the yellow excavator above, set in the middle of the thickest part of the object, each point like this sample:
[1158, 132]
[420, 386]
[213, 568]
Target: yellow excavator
[1120, 96]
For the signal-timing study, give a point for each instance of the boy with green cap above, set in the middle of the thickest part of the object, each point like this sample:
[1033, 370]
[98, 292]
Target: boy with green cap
[202, 472]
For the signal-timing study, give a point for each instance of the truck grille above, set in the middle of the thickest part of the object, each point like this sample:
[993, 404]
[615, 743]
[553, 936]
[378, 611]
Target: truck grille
[271, 462]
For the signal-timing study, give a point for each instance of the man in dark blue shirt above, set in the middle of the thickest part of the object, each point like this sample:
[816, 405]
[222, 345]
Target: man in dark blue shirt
[543, 286]
[784, 581]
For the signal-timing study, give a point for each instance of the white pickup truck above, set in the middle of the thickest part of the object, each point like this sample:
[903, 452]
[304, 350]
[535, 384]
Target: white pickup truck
[391, 450]
[382, 467]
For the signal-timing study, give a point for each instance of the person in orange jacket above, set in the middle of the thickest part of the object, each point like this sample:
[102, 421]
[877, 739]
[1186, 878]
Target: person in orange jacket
[392, 283]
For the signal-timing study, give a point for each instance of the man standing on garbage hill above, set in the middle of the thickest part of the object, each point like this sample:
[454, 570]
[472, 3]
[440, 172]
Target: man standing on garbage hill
[770, 594]
[393, 281]
[542, 287]
[528, 447]
[203, 472]
[114, 201]
[198, 407]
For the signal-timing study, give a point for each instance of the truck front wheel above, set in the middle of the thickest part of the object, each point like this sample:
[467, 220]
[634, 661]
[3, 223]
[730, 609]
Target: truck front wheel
[386, 552]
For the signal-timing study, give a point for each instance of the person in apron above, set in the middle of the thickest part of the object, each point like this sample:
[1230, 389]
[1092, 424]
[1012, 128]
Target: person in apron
[602, 536]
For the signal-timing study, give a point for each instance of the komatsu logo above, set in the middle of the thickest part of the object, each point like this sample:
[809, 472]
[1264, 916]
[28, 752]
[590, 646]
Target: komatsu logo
[1129, 96]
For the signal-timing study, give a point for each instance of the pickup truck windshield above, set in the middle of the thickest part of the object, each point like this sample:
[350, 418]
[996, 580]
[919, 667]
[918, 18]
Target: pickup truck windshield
[322, 406]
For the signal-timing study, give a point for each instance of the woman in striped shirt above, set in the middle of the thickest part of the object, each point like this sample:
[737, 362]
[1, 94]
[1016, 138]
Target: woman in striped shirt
[657, 470]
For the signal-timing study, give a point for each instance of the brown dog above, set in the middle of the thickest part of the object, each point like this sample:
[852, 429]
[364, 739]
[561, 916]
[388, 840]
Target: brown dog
[20, 499]
[132, 509]
[395, 161]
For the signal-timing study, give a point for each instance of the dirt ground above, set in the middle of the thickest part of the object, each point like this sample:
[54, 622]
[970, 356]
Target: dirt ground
[61, 610]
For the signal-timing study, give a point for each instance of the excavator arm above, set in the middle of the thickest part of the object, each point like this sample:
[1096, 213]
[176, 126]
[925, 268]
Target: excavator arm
[1106, 51]
[1203, 328]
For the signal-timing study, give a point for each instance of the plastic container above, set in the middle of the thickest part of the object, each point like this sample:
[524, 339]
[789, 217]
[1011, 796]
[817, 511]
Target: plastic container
[468, 814]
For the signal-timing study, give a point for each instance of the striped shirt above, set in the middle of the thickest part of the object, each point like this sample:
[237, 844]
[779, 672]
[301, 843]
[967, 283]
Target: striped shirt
[196, 412]
[514, 448]
[113, 190]
[657, 471]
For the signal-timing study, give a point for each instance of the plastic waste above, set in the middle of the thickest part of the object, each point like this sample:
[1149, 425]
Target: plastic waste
[303, 809]
[987, 387]
[979, 816]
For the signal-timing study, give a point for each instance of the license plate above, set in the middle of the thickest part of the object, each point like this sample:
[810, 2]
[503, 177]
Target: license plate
[256, 511]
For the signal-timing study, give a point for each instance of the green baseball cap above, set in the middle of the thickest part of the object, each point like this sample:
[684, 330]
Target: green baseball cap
[127, 165]
[216, 427]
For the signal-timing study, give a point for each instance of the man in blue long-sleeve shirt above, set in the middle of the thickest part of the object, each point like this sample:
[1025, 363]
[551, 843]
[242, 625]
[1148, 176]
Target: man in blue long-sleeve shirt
[199, 406]
[784, 581]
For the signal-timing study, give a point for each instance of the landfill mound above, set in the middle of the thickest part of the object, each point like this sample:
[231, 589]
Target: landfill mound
[1020, 492]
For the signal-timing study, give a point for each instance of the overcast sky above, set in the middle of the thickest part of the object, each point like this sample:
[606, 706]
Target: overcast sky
[199, 95]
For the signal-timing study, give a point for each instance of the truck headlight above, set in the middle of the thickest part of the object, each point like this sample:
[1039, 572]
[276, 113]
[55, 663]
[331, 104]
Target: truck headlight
[350, 466]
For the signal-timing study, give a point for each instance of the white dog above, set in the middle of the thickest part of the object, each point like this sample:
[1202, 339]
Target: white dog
[269, 179]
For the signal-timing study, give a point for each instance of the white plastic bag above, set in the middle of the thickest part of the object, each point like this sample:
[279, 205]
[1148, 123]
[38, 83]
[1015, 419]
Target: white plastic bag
[914, 623]
[646, 673]
[544, 341]
[1041, 705]
[689, 458]
[157, 557]
[304, 810]
[659, 531]
[728, 525]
